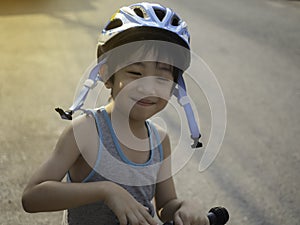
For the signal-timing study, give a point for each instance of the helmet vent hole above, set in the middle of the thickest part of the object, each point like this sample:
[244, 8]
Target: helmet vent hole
[160, 14]
[139, 12]
[175, 20]
[114, 24]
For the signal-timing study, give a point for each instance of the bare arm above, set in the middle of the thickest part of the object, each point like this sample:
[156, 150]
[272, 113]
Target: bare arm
[46, 192]
[166, 199]
[169, 207]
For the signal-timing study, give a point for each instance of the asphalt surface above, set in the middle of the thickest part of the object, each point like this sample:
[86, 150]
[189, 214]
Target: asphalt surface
[253, 48]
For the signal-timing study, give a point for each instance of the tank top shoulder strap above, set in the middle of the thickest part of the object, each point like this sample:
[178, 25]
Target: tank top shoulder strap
[155, 138]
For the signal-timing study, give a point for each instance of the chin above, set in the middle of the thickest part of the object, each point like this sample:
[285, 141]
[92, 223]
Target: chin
[144, 113]
[140, 116]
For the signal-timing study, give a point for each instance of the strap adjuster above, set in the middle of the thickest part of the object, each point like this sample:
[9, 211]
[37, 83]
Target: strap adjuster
[197, 143]
[184, 100]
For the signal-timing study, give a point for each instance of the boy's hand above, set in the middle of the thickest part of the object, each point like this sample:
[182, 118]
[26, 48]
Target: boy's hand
[126, 208]
[188, 214]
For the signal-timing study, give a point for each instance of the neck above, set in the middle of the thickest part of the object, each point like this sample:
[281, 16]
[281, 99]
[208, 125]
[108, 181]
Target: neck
[122, 122]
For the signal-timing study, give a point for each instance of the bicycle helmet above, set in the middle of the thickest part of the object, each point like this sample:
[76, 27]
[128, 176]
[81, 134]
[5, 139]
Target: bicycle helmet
[143, 21]
[138, 22]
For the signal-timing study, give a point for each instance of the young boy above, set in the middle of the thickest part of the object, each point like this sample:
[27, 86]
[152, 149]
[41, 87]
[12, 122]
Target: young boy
[115, 159]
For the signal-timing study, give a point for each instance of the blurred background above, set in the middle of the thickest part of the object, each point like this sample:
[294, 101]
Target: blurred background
[253, 47]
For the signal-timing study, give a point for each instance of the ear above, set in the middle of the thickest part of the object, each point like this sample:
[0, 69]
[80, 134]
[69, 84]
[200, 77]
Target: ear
[103, 72]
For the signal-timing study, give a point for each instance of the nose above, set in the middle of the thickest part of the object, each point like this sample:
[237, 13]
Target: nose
[146, 86]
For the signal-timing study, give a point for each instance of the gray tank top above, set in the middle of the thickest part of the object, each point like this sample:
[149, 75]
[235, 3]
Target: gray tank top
[112, 165]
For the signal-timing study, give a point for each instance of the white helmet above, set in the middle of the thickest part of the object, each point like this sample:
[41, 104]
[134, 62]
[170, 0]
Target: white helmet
[143, 21]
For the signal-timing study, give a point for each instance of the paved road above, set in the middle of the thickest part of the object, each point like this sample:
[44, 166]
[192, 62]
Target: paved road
[253, 48]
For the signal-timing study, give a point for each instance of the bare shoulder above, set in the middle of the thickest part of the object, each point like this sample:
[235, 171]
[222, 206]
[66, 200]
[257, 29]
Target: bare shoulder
[85, 132]
[84, 121]
[71, 143]
[67, 150]
[79, 127]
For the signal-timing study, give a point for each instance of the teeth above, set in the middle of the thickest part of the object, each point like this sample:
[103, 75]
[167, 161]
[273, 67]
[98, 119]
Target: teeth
[145, 102]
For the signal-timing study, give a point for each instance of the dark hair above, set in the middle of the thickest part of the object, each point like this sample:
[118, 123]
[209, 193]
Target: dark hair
[167, 46]
[140, 52]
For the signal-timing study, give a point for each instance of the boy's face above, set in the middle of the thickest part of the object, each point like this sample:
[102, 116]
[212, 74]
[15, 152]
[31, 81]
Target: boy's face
[142, 89]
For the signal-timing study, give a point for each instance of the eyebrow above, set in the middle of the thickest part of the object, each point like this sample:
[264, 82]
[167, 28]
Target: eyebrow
[138, 64]
[142, 64]
[165, 65]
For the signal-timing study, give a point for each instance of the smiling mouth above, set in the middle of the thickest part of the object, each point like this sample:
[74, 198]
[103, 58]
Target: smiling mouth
[144, 102]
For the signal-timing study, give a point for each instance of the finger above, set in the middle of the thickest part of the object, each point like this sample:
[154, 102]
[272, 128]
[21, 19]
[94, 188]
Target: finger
[122, 220]
[198, 221]
[177, 220]
[142, 220]
[132, 219]
[148, 218]
[205, 221]
[201, 220]
[185, 219]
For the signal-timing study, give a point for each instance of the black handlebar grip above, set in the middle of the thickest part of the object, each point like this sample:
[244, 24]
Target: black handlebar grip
[218, 216]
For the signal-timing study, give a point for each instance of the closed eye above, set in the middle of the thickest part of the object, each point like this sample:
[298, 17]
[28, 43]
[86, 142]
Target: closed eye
[162, 79]
[134, 73]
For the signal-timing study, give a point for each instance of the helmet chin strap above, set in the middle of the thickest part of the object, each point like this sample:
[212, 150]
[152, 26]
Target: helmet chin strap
[184, 101]
[89, 84]
[179, 92]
